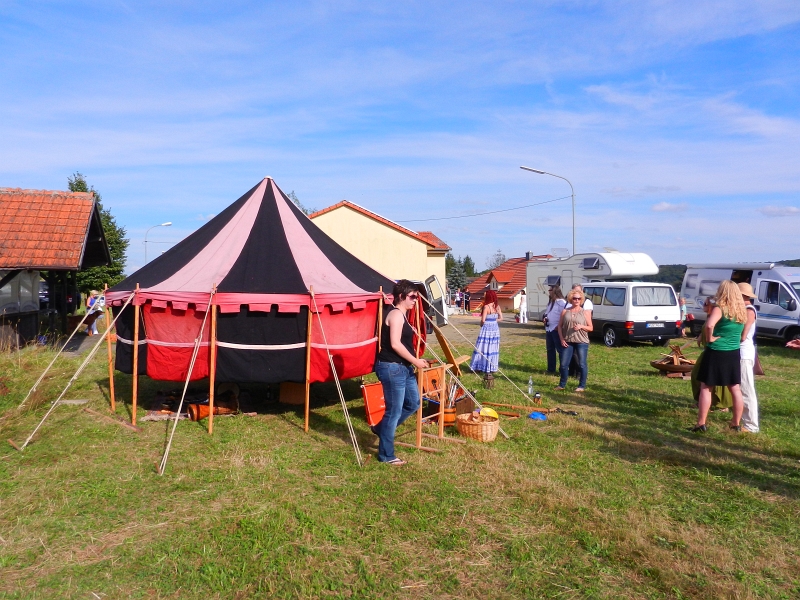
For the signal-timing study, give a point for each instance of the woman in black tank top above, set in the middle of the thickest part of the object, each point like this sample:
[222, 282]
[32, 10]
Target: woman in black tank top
[395, 369]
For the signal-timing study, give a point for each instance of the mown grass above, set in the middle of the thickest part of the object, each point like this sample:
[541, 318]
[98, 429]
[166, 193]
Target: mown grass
[619, 502]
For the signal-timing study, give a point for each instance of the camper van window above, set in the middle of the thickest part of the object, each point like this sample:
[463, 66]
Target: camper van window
[595, 294]
[784, 296]
[614, 297]
[553, 280]
[691, 282]
[796, 286]
[708, 288]
[653, 296]
[768, 292]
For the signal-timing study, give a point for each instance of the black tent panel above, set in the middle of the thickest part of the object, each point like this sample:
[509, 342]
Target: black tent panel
[262, 329]
[124, 326]
[265, 264]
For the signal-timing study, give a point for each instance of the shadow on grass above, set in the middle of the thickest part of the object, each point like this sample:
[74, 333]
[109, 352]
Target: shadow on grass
[641, 429]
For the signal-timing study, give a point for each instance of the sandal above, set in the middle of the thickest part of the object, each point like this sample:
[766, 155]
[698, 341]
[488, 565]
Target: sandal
[395, 462]
[735, 427]
[580, 390]
[558, 388]
[698, 429]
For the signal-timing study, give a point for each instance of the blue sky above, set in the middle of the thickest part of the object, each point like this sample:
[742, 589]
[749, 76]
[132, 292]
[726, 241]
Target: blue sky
[677, 122]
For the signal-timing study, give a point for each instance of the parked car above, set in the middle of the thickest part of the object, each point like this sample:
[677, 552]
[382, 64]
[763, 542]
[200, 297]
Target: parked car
[634, 311]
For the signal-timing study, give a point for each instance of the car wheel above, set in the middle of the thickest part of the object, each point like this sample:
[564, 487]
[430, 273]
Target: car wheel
[794, 334]
[610, 338]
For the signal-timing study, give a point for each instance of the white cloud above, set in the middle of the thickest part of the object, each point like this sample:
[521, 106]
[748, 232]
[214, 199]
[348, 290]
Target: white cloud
[669, 207]
[779, 211]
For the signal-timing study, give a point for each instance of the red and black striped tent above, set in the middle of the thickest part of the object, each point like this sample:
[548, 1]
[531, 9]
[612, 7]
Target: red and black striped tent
[264, 256]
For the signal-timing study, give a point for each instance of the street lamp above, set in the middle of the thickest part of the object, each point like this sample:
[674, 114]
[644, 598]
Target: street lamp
[167, 224]
[573, 197]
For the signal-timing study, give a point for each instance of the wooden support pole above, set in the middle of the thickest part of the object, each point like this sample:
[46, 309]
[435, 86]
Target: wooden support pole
[443, 399]
[380, 317]
[419, 446]
[419, 375]
[445, 438]
[136, 311]
[308, 366]
[110, 353]
[212, 367]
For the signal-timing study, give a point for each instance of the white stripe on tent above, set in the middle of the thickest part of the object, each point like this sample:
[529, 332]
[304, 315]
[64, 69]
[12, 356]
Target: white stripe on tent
[130, 342]
[346, 346]
[261, 347]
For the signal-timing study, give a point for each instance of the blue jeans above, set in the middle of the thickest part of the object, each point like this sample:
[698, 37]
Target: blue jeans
[401, 394]
[582, 350]
[553, 343]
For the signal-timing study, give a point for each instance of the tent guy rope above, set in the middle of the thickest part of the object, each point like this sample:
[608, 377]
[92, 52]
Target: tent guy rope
[52, 362]
[347, 419]
[77, 374]
[163, 464]
[528, 398]
[463, 387]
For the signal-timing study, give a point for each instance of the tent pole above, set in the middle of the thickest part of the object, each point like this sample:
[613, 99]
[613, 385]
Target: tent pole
[308, 366]
[419, 376]
[380, 317]
[212, 369]
[110, 354]
[136, 311]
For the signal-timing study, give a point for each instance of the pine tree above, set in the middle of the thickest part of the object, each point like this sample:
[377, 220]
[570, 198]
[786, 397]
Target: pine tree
[95, 277]
[469, 266]
[456, 278]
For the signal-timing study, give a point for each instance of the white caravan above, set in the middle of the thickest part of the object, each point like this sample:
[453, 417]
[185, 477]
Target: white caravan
[777, 288]
[583, 269]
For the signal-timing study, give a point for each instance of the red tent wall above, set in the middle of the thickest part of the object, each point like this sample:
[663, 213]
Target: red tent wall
[171, 335]
[350, 331]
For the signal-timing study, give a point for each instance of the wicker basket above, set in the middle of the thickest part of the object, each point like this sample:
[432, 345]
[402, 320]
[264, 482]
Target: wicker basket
[481, 428]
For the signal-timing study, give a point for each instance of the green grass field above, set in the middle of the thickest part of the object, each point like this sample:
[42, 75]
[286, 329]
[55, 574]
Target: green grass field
[618, 502]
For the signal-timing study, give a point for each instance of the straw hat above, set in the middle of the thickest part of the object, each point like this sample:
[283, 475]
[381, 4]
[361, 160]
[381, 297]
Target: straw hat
[746, 289]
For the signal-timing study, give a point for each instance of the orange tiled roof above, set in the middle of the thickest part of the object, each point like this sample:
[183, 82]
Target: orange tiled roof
[515, 267]
[425, 237]
[432, 239]
[42, 229]
[502, 277]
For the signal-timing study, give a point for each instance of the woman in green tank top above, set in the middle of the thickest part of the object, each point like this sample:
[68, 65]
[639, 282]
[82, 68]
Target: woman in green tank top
[721, 365]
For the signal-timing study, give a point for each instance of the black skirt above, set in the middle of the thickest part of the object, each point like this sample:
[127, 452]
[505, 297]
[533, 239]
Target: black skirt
[720, 367]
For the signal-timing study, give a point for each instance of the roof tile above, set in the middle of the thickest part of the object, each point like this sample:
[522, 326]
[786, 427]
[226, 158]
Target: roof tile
[43, 229]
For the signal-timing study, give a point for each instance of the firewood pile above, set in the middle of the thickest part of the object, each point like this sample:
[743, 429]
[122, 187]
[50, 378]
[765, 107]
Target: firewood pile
[674, 362]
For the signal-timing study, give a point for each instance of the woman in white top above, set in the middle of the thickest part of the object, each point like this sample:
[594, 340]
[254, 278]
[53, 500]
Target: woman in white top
[747, 356]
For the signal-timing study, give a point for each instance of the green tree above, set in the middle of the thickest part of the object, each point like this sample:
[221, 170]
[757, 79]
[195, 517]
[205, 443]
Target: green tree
[449, 262]
[95, 277]
[469, 266]
[456, 278]
[293, 197]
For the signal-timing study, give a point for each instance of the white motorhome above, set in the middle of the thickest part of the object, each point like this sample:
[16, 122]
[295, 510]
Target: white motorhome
[583, 269]
[777, 288]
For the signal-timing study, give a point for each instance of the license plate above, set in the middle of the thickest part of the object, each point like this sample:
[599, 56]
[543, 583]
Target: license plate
[655, 325]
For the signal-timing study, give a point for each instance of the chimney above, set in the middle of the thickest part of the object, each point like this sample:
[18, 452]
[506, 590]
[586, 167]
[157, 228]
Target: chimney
[528, 255]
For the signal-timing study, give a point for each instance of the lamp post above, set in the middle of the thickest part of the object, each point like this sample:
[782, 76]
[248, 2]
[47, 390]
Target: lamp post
[167, 224]
[540, 172]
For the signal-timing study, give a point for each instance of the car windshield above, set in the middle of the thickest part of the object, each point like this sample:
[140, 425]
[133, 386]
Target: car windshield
[653, 296]
[796, 286]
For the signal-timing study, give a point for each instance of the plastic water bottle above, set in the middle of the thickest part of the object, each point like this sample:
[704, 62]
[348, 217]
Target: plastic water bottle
[530, 385]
